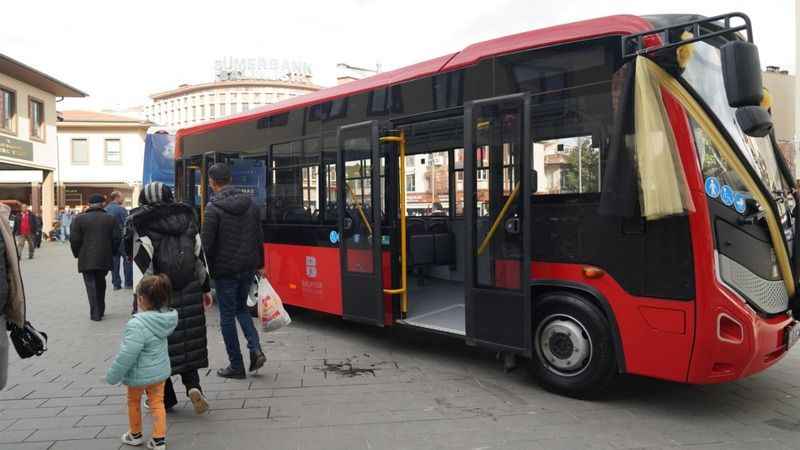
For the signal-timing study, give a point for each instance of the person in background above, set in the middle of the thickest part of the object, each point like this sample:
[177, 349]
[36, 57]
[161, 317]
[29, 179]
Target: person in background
[142, 363]
[12, 297]
[234, 244]
[119, 213]
[65, 219]
[95, 238]
[24, 230]
[37, 232]
[163, 238]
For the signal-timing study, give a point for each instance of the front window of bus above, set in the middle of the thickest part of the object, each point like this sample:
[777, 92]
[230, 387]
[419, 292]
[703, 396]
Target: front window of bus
[704, 75]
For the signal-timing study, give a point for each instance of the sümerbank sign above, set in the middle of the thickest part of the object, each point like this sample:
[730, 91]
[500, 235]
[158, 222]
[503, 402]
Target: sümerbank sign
[272, 69]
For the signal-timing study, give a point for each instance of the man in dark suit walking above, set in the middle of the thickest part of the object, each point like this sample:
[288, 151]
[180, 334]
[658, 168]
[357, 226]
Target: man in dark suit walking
[95, 238]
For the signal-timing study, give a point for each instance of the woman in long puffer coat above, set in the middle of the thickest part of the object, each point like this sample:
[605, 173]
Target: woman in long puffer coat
[162, 237]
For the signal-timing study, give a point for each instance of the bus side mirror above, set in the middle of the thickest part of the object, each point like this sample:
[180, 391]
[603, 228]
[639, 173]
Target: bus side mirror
[754, 120]
[741, 72]
[534, 181]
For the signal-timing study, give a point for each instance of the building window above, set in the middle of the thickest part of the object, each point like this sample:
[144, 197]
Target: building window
[212, 110]
[233, 108]
[410, 183]
[222, 112]
[202, 112]
[113, 151]
[194, 113]
[245, 106]
[8, 110]
[80, 151]
[36, 110]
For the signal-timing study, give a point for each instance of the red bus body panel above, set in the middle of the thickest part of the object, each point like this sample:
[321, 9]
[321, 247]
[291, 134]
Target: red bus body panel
[310, 277]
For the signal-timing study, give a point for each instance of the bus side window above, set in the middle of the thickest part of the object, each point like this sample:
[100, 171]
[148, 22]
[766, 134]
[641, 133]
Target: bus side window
[569, 148]
[295, 182]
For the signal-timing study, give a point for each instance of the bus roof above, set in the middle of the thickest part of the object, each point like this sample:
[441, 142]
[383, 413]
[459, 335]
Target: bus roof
[593, 28]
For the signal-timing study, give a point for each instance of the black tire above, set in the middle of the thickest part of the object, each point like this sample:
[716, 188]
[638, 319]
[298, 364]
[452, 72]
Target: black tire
[590, 375]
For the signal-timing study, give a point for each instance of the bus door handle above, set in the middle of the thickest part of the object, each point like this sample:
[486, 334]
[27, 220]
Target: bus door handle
[512, 225]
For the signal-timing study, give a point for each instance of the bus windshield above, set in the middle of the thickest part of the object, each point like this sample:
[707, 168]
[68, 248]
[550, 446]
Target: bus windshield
[704, 75]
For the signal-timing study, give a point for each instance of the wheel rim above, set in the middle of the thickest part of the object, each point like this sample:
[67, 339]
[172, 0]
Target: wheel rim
[564, 345]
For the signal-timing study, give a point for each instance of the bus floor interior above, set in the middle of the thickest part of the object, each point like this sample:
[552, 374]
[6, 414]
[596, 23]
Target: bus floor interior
[435, 276]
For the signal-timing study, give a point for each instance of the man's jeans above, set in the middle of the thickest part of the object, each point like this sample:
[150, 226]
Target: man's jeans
[64, 233]
[232, 300]
[127, 266]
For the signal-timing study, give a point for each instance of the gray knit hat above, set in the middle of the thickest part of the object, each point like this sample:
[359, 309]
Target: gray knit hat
[156, 192]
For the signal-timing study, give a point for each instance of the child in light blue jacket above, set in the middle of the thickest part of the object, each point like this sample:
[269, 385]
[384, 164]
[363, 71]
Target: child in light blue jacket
[142, 363]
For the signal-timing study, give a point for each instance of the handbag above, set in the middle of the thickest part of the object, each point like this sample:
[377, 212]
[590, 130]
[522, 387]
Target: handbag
[27, 340]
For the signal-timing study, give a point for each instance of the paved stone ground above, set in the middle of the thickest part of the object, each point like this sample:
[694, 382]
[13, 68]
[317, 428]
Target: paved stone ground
[330, 384]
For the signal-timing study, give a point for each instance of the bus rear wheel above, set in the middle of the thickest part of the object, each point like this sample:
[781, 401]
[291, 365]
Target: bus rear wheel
[574, 353]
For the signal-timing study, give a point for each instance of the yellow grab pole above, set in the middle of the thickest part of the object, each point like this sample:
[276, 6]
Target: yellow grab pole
[497, 221]
[403, 268]
[358, 207]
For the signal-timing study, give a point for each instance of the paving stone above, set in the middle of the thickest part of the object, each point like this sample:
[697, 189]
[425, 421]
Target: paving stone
[63, 434]
[25, 403]
[24, 413]
[72, 401]
[45, 422]
[8, 436]
[87, 444]
[93, 410]
[106, 419]
[27, 446]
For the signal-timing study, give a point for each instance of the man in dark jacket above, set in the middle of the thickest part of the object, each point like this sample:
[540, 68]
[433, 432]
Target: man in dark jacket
[163, 238]
[119, 213]
[95, 238]
[234, 244]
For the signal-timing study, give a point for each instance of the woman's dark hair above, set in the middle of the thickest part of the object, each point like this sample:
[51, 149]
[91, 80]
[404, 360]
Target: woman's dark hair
[157, 289]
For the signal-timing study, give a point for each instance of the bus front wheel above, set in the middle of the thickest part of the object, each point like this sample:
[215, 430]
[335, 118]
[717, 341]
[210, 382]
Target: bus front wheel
[574, 353]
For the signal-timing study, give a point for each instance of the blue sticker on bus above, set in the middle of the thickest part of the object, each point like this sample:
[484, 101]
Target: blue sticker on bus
[334, 237]
[712, 187]
[739, 202]
[726, 195]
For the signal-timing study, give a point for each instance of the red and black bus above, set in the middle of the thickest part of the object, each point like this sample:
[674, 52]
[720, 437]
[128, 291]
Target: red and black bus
[600, 197]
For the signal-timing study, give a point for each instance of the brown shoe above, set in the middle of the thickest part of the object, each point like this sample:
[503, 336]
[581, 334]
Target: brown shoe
[199, 400]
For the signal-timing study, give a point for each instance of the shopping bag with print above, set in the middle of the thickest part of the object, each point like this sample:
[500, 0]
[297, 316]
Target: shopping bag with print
[271, 312]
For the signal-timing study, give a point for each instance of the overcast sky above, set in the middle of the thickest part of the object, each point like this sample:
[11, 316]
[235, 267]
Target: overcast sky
[120, 52]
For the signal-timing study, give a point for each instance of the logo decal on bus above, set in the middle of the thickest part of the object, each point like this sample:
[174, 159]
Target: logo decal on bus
[311, 267]
[739, 202]
[334, 237]
[712, 187]
[726, 195]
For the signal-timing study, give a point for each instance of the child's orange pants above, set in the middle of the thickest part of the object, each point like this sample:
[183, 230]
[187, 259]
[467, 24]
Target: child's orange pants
[155, 398]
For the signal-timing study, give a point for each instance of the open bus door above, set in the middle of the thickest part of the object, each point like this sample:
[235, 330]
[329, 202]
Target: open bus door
[359, 212]
[191, 181]
[497, 214]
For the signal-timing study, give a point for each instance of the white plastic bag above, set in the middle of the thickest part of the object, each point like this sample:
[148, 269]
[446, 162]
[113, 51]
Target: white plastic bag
[271, 312]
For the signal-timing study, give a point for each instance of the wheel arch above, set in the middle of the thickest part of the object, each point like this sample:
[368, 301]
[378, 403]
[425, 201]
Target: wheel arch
[539, 287]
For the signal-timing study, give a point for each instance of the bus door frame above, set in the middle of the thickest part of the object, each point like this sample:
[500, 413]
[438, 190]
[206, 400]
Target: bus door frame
[492, 313]
[362, 292]
[190, 166]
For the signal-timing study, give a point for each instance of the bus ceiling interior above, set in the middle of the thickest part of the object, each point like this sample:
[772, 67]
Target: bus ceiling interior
[436, 238]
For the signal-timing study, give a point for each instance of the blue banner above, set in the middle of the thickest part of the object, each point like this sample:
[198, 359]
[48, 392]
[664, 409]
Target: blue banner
[159, 159]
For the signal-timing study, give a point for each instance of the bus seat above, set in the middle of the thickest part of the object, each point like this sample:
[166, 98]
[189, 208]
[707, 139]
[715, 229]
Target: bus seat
[443, 249]
[415, 226]
[420, 249]
[296, 215]
[437, 226]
